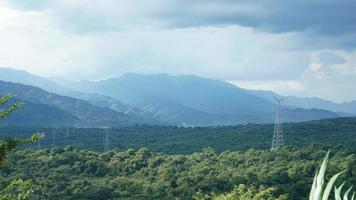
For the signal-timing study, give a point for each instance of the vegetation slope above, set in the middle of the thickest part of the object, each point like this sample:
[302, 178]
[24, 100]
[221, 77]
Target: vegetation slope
[72, 173]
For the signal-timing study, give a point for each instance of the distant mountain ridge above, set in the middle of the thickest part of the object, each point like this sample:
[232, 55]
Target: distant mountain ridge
[67, 110]
[175, 100]
[142, 116]
[345, 108]
[26, 78]
[193, 100]
[33, 114]
[23, 77]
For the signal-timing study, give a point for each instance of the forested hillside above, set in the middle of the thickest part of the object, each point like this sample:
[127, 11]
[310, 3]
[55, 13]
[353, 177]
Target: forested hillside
[181, 140]
[60, 110]
[71, 173]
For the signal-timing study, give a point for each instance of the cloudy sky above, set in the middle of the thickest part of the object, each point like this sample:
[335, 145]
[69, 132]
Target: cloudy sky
[297, 47]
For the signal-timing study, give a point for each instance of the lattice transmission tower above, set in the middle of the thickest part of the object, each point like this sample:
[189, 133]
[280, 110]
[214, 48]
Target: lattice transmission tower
[278, 138]
[67, 139]
[68, 132]
[107, 145]
[54, 138]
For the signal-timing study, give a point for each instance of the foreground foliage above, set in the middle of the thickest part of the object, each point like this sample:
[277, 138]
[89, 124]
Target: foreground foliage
[72, 173]
[9, 143]
[15, 189]
[319, 191]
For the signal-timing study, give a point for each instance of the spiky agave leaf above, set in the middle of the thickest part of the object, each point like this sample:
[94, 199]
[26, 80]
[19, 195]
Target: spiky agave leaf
[312, 191]
[346, 195]
[329, 186]
[353, 196]
[338, 192]
[316, 192]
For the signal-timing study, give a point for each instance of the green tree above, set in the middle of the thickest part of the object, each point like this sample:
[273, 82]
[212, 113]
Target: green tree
[243, 192]
[9, 144]
[16, 189]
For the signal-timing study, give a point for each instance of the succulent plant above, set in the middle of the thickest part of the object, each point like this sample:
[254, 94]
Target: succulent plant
[320, 192]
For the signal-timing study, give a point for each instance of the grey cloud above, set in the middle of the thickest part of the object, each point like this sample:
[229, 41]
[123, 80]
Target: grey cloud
[324, 17]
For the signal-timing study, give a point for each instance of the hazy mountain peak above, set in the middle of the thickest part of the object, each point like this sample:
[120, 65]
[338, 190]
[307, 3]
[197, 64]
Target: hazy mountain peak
[24, 77]
[181, 97]
[16, 75]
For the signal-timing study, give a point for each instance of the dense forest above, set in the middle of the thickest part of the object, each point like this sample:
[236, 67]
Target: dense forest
[165, 162]
[71, 173]
[179, 140]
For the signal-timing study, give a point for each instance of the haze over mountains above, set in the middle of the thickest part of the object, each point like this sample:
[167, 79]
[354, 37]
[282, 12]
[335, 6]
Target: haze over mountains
[58, 110]
[345, 109]
[160, 99]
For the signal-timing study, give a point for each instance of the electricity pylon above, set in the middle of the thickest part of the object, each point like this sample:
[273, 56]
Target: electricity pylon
[278, 138]
[106, 147]
[54, 137]
[67, 133]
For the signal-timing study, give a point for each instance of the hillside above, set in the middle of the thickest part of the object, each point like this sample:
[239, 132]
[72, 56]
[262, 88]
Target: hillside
[23, 77]
[179, 140]
[85, 114]
[33, 114]
[26, 78]
[142, 116]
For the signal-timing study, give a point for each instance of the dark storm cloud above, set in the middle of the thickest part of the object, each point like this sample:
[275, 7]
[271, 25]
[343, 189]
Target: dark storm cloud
[318, 17]
[323, 17]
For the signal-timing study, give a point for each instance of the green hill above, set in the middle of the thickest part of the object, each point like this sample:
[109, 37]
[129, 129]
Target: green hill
[170, 139]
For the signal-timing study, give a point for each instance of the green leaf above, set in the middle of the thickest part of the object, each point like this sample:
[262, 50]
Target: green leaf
[338, 192]
[330, 185]
[346, 195]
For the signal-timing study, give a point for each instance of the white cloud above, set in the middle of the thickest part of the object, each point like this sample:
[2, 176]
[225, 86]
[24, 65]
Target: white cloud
[108, 38]
[219, 52]
[329, 64]
[282, 87]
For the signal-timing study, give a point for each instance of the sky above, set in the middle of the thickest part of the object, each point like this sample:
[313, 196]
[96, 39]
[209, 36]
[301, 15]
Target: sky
[305, 48]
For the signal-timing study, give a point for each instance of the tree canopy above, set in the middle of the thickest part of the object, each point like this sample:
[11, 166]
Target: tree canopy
[71, 173]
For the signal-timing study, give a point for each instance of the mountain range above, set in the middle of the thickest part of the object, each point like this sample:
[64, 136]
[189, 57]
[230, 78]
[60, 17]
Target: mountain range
[44, 108]
[345, 109]
[162, 99]
[193, 100]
